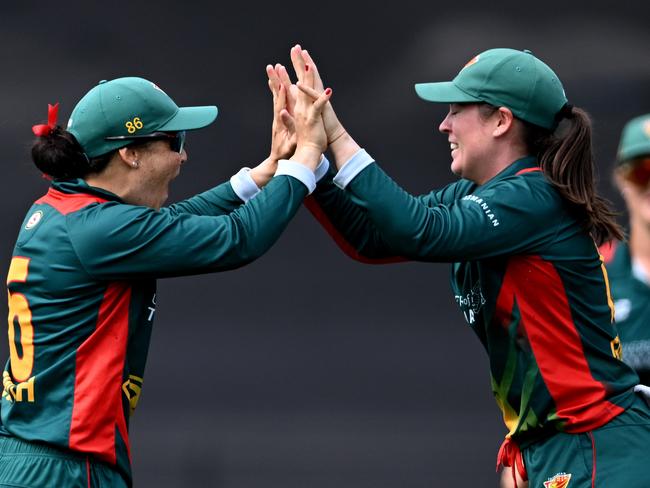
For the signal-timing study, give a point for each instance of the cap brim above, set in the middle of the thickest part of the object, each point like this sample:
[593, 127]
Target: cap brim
[443, 92]
[190, 118]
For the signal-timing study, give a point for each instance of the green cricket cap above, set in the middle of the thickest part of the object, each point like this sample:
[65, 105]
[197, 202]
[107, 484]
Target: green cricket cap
[635, 139]
[504, 78]
[130, 106]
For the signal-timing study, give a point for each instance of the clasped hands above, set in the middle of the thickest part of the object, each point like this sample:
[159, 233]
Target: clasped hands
[304, 121]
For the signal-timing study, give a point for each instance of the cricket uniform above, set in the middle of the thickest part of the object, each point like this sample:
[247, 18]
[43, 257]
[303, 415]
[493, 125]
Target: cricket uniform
[82, 300]
[527, 278]
[631, 293]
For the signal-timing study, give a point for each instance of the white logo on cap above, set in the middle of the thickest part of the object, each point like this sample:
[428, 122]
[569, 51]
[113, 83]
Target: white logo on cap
[69, 122]
[34, 220]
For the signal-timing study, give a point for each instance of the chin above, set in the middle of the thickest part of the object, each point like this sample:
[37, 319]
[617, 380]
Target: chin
[456, 168]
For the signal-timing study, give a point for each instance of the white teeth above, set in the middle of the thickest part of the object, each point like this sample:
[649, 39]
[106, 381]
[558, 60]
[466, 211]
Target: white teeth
[453, 145]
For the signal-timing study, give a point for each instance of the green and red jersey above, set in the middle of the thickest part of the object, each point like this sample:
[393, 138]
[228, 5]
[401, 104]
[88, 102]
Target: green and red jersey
[631, 294]
[82, 300]
[528, 279]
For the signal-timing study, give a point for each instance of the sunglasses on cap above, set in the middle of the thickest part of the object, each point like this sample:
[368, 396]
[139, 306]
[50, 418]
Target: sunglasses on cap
[637, 171]
[176, 139]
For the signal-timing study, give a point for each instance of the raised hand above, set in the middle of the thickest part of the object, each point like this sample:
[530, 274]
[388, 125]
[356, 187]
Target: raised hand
[300, 58]
[283, 134]
[311, 137]
[342, 146]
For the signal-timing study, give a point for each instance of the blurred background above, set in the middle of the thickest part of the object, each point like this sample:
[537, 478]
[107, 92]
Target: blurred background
[306, 369]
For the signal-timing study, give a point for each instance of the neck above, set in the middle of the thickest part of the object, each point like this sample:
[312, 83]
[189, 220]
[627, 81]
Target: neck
[500, 162]
[113, 179]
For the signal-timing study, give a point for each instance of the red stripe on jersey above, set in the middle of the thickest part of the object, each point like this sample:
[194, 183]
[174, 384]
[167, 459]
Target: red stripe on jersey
[535, 287]
[67, 203]
[346, 247]
[527, 170]
[97, 409]
[608, 250]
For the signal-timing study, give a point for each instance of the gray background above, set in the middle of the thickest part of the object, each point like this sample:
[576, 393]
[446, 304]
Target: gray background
[306, 369]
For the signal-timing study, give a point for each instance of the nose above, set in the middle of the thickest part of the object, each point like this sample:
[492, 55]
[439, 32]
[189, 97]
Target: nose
[184, 156]
[445, 126]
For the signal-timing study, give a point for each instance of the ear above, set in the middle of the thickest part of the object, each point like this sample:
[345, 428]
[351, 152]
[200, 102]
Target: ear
[128, 155]
[504, 121]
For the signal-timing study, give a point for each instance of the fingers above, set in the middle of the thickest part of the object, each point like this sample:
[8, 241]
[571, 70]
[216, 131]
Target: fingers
[310, 92]
[283, 75]
[307, 59]
[274, 80]
[321, 101]
[297, 61]
[281, 98]
[309, 76]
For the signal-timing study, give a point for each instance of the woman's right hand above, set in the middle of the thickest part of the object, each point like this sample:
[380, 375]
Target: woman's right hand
[340, 143]
[311, 136]
[300, 58]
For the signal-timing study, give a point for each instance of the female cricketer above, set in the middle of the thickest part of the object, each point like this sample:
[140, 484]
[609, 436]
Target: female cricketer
[628, 263]
[520, 228]
[82, 289]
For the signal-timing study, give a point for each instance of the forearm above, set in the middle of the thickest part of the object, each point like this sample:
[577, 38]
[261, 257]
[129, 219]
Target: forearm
[219, 200]
[348, 224]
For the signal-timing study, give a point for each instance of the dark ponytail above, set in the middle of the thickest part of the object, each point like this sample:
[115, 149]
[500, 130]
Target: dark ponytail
[566, 158]
[59, 155]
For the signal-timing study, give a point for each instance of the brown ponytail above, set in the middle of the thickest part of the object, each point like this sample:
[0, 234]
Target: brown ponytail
[566, 158]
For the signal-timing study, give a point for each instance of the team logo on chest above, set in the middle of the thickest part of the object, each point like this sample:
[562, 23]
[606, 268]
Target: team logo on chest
[560, 480]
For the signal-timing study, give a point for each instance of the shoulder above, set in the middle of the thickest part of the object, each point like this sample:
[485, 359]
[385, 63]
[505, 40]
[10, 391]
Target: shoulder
[111, 220]
[525, 192]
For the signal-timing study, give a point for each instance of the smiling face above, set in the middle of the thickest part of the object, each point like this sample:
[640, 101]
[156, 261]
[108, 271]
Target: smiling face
[471, 141]
[158, 166]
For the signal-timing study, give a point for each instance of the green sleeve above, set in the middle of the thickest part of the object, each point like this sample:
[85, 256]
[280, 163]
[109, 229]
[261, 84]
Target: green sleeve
[219, 200]
[347, 222]
[500, 218]
[447, 194]
[351, 227]
[118, 241]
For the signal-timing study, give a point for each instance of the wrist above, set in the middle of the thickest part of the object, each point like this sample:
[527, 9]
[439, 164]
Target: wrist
[263, 172]
[343, 148]
[307, 155]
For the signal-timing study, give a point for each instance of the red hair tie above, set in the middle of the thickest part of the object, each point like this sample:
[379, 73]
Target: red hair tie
[42, 130]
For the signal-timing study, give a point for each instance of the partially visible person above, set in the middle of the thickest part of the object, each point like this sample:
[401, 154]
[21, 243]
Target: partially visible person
[82, 279]
[628, 263]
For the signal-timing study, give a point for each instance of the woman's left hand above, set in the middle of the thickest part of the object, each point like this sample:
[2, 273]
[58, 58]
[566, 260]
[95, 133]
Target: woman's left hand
[283, 133]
